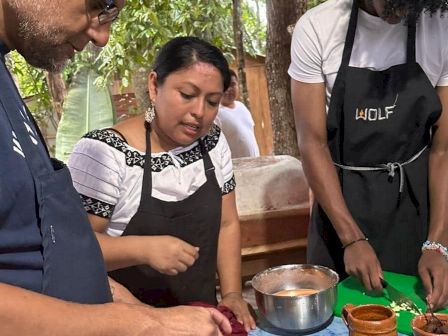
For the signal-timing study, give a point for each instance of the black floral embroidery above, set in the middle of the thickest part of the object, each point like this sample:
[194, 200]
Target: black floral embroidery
[97, 207]
[229, 186]
[135, 158]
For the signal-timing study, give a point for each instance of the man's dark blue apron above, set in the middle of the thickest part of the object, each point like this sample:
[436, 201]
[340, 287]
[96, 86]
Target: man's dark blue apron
[195, 220]
[379, 133]
[61, 258]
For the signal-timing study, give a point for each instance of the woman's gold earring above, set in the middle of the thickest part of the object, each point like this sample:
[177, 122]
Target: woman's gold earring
[150, 113]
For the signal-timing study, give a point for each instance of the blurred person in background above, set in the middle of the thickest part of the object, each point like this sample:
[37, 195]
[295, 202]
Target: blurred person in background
[237, 123]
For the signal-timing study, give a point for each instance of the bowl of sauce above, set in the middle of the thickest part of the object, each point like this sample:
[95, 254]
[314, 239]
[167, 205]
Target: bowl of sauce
[296, 292]
[297, 297]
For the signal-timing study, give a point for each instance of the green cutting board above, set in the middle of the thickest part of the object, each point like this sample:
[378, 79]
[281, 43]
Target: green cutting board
[351, 291]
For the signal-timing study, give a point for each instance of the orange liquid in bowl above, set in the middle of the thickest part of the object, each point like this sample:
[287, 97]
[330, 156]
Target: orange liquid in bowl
[296, 292]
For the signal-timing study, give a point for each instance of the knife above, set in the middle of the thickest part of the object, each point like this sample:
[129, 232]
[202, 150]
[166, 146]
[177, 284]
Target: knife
[400, 298]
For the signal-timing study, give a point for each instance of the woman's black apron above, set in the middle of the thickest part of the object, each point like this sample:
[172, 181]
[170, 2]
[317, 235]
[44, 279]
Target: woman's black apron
[73, 266]
[196, 220]
[379, 133]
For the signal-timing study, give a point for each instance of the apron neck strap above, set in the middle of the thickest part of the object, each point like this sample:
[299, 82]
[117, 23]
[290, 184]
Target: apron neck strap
[410, 49]
[147, 169]
[350, 38]
[208, 165]
[351, 32]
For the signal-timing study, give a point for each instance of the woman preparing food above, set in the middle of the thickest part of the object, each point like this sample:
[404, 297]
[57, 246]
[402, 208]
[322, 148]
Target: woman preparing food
[159, 188]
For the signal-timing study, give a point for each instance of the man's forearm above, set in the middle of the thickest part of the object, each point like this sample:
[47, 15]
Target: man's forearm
[323, 180]
[24, 313]
[438, 197]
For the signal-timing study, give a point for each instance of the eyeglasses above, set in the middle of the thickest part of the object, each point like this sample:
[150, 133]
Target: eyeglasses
[109, 13]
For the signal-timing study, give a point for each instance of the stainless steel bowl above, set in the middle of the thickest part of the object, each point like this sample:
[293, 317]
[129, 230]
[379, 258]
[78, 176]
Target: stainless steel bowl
[296, 313]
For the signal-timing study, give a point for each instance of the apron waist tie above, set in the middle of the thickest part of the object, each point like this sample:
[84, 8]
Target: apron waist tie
[390, 167]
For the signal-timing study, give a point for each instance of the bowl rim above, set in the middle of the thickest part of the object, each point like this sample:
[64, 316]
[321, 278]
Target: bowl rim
[333, 275]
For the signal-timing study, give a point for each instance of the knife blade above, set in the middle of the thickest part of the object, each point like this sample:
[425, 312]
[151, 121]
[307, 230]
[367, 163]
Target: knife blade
[400, 298]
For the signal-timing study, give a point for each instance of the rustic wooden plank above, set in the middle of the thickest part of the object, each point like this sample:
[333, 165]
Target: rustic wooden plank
[297, 210]
[272, 248]
[250, 267]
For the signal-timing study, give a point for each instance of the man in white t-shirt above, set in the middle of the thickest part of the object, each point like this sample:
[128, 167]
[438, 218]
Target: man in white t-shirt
[369, 83]
[236, 123]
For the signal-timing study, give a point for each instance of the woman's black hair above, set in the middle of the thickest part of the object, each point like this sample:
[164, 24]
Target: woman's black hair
[413, 8]
[182, 52]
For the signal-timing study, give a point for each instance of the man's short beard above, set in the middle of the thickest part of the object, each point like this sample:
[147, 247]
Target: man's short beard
[44, 61]
[38, 42]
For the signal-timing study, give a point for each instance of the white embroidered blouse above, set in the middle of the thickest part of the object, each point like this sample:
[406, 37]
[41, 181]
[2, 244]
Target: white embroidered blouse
[108, 173]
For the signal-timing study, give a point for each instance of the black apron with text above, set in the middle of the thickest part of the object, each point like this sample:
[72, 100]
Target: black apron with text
[379, 132]
[73, 266]
[195, 220]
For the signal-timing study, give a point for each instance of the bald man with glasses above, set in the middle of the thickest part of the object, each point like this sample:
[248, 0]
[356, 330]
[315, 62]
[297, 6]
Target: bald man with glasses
[52, 277]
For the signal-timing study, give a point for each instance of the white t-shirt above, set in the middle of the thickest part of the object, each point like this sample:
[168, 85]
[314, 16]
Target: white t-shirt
[319, 37]
[238, 127]
[108, 174]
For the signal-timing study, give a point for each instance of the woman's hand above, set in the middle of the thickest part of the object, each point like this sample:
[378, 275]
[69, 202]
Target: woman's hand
[167, 254]
[433, 270]
[360, 260]
[239, 307]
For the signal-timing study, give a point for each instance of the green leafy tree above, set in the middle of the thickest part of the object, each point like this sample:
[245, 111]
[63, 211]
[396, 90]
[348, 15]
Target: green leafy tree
[144, 26]
[31, 82]
[313, 3]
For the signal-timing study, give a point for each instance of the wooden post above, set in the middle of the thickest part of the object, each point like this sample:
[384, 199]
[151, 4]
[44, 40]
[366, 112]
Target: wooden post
[238, 36]
[281, 14]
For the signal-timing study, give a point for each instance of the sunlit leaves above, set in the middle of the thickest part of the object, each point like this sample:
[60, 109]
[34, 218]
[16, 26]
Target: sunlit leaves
[31, 82]
[143, 27]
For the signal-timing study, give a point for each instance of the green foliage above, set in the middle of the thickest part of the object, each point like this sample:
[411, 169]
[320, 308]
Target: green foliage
[143, 27]
[146, 25]
[313, 3]
[254, 28]
[89, 59]
[31, 82]
[86, 107]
